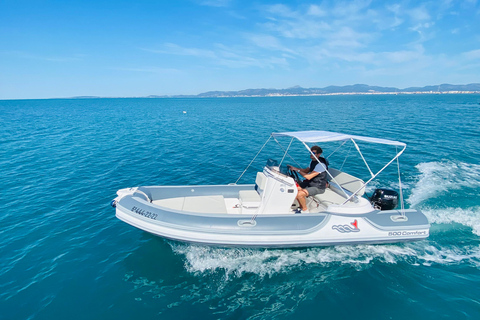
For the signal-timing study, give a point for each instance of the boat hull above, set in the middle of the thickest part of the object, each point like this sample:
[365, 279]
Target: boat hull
[272, 230]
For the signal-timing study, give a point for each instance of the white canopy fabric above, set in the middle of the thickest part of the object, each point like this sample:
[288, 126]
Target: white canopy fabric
[327, 136]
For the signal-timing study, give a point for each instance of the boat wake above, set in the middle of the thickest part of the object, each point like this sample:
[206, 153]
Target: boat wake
[439, 179]
[447, 192]
[266, 263]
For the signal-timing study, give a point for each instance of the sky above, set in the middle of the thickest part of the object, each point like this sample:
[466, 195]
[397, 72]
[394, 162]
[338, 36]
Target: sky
[67, 48]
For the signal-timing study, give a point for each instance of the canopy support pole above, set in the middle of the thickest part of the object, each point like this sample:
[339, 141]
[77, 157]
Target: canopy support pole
[361, 155]
[402, 211]
[365, 183]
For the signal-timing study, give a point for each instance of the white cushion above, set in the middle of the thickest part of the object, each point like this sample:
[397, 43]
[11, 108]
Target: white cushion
[249, 198]
[261, 180]
[347, 181]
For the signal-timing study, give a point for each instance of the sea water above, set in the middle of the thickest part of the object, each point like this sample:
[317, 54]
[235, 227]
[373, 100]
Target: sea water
[64, 255]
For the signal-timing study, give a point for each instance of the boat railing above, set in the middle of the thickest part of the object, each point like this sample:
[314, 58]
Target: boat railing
[147, 198]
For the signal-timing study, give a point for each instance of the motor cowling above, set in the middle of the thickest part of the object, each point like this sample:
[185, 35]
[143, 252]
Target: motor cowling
[384, 199]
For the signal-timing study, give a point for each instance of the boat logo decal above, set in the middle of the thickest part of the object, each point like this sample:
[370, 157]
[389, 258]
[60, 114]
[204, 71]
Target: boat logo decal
[345, 228]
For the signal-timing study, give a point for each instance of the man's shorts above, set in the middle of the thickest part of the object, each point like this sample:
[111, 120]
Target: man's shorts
[314, 190]
[311, 190]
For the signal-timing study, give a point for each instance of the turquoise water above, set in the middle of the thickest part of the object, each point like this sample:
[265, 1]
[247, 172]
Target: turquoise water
[64, 255]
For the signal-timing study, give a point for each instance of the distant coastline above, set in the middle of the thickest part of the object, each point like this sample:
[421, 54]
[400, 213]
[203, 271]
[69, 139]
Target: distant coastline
[357, 89]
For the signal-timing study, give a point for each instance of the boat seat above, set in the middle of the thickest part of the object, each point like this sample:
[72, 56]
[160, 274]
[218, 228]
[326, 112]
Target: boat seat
[330, 197]
[200, 204]
[250, 198]
[253, 198]
[347, 181]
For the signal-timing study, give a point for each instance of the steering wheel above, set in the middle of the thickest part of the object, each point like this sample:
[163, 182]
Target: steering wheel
[294, 175]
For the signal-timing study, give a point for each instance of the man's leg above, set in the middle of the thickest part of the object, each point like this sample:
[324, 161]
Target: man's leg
[301, 197]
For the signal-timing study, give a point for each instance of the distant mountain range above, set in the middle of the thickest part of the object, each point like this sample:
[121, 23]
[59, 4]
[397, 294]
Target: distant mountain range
[356, 88]
[350, 89]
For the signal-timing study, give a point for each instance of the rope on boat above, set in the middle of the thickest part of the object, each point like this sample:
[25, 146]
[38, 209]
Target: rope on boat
[252, 160]
[331, 154]
[346, 157]
[286, 152]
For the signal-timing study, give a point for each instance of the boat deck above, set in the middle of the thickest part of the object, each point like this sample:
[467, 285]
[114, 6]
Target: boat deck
[222, 205]
[202, 204]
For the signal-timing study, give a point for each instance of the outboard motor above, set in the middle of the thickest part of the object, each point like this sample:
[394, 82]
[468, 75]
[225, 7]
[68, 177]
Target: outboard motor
[384, 199]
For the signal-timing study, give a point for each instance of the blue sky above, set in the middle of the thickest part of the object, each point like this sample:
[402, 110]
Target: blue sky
[139, 48]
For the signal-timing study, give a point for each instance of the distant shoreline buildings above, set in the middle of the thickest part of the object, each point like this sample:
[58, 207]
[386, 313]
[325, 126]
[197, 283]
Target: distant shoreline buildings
[343, 94]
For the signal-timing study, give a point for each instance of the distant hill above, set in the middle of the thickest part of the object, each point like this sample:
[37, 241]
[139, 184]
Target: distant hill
[446, 87]
[349, 89]
[86, 97]
[356, 88]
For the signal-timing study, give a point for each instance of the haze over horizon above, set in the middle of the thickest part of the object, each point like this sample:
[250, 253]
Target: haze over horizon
[54, 49]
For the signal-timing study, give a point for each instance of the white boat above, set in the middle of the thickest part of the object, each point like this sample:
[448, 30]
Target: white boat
[263, 214]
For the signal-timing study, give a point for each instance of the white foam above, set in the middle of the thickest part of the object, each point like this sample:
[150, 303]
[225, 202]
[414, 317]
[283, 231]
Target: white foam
[455, 255]
[468, 217]
[237, 262]
[438, 178]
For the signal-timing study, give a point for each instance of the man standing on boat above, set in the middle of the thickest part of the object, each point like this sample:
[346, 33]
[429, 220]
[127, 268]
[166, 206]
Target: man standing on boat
[315, 178]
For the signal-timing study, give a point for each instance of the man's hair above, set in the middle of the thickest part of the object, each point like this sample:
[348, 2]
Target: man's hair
[317, 149]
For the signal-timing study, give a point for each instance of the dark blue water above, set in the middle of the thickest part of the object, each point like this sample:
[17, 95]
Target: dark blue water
[64, 255]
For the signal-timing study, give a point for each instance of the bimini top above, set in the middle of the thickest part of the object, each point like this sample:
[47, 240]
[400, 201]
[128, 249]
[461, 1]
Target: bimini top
[327, 136]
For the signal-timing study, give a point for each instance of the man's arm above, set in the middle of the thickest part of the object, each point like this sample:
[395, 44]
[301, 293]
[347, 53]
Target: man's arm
[319, 168]
[309, 176]
[301, 171]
